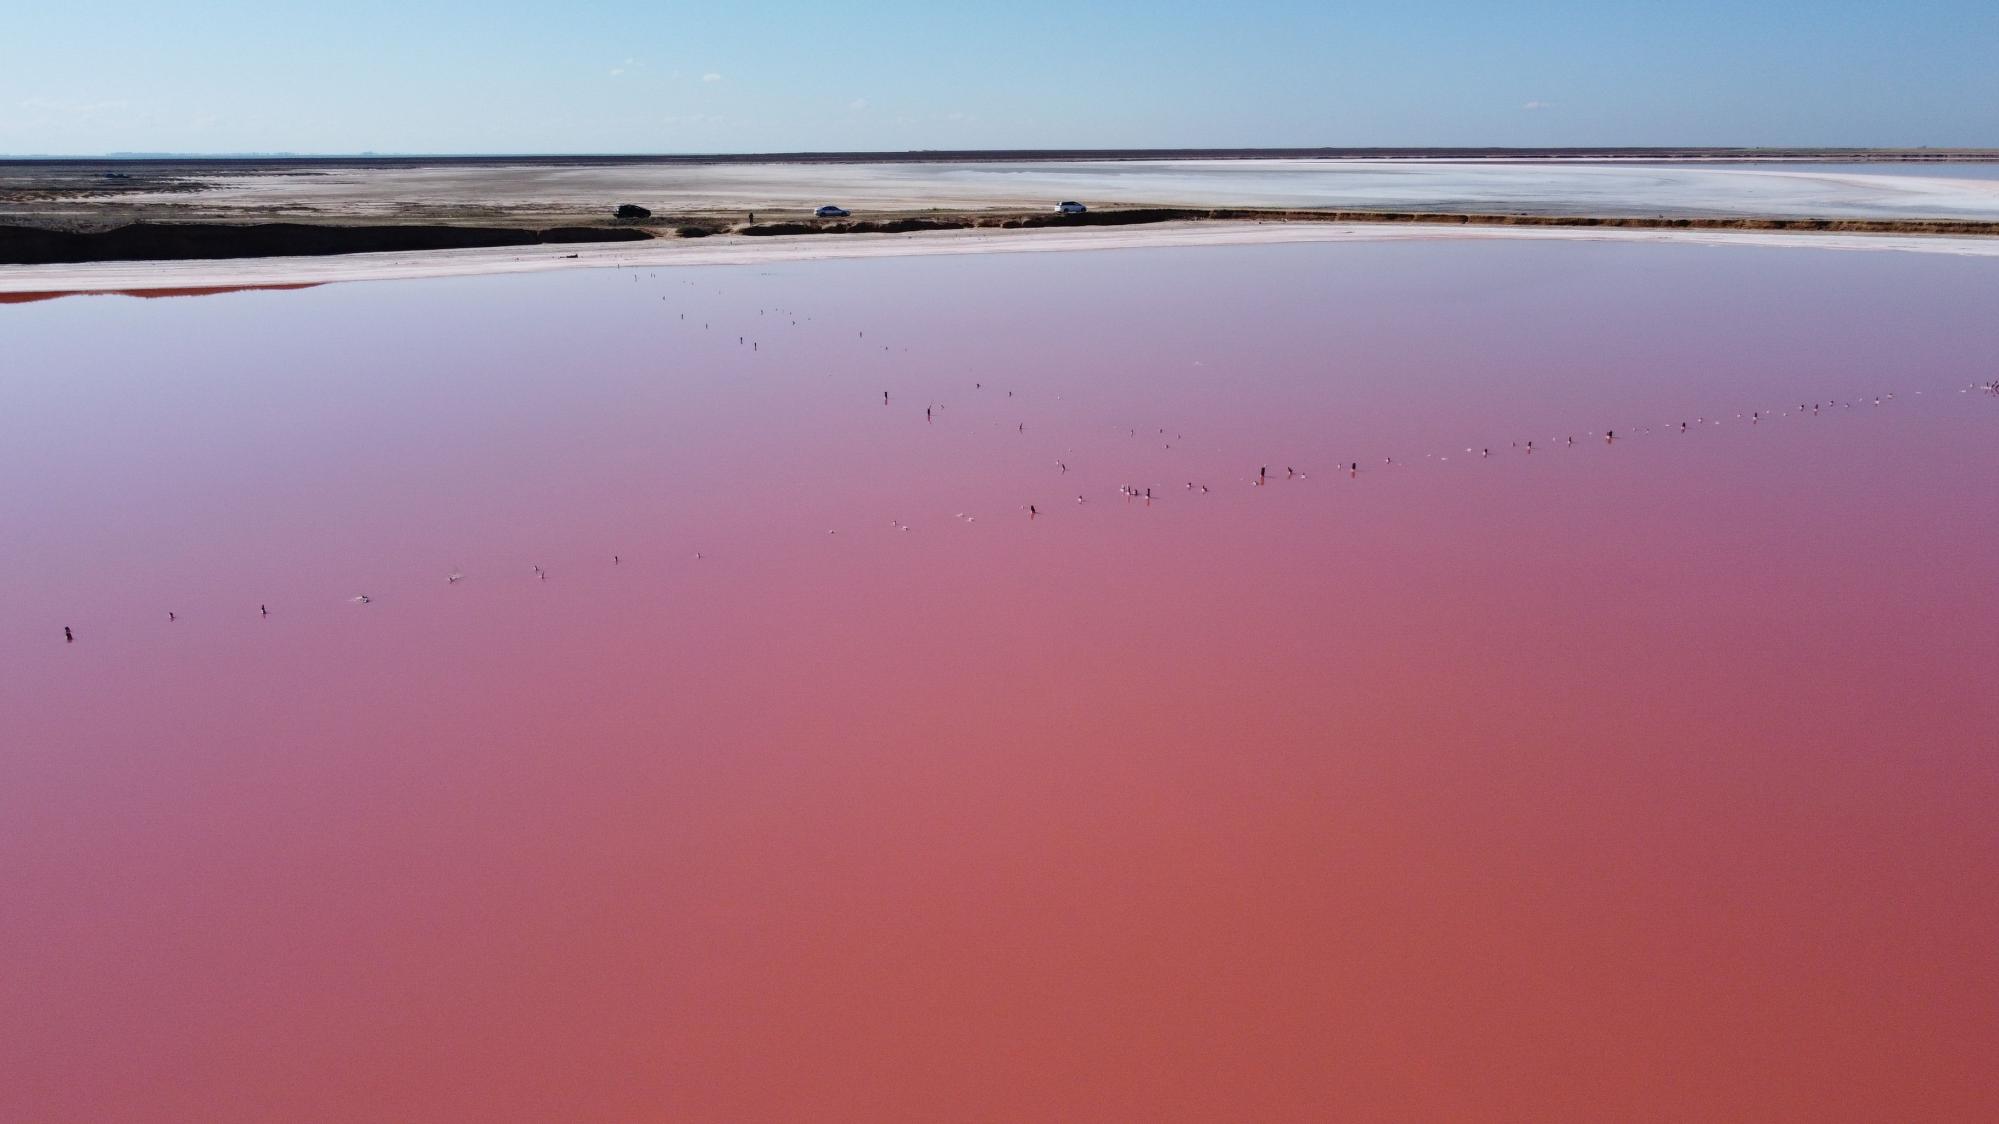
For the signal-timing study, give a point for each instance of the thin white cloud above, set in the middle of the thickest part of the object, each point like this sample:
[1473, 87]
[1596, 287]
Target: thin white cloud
[711, 76]
[617, 70]
[858, 104]
[1533, 105]
[73, 107]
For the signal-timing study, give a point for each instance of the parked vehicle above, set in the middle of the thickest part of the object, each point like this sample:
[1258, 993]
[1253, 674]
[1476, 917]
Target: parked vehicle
[1070, 207]
[829, 211]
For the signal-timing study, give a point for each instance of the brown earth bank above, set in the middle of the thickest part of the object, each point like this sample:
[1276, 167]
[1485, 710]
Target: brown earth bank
[21, 245]
[1129, 216]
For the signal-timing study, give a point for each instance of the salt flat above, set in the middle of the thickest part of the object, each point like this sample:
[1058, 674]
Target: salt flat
[1532, 187]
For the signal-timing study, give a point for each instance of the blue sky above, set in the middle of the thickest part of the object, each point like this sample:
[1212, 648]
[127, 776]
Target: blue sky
[89, 76]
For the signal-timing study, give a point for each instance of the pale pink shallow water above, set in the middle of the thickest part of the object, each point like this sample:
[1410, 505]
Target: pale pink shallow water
[1652, 779]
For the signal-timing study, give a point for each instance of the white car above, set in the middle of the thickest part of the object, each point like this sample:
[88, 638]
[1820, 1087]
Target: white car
[1070, 207]
[829, 211]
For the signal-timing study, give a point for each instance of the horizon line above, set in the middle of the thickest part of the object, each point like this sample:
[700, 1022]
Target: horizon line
[1212, 151]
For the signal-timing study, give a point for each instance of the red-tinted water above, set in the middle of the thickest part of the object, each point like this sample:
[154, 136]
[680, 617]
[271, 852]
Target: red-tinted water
[1646, 779]
[149, 294]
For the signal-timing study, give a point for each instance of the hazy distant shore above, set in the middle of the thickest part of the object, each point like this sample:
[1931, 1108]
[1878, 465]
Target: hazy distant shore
[1489, 152]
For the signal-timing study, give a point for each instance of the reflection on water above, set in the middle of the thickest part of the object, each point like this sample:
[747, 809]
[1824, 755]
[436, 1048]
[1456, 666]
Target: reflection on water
[205, 291]
[723, 737]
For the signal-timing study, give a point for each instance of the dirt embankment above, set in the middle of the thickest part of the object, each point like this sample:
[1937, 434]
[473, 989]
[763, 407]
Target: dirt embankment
[1645, 222]
[180, 241]
[1133, 215]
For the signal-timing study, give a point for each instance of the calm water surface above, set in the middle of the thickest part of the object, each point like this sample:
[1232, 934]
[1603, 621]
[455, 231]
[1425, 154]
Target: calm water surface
[1645, 778]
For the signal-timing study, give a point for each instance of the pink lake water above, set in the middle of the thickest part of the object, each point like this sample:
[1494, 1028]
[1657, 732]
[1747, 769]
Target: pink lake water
[1641, 778]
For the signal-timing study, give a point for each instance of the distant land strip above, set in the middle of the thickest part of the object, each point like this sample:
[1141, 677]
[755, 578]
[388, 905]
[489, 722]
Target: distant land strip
[21, 245]
[248, 161]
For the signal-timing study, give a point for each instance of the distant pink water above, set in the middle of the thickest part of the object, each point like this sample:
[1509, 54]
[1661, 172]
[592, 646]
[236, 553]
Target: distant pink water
[1646, 779]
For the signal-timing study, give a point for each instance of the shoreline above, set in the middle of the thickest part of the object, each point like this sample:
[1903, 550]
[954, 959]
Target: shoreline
[161, 277]
[148, 241]
[1661, 153]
